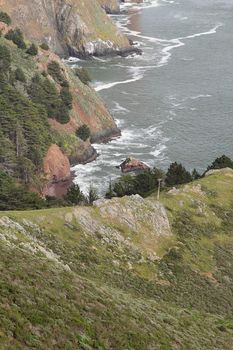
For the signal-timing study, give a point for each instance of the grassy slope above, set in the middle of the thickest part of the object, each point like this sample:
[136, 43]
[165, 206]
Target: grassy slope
[63, 287]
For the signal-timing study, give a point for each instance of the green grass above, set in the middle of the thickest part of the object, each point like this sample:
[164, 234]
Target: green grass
[97, 294]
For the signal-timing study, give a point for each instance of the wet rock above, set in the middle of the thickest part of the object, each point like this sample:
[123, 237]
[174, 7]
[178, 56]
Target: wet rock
[132, 164]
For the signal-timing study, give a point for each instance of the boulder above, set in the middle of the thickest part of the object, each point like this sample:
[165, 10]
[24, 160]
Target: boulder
[132, 164]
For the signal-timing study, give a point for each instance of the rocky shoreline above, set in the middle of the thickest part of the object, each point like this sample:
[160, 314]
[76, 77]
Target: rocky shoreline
[100, 50]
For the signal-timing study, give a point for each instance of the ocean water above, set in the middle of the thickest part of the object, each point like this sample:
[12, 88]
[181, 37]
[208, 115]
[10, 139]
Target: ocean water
[175, 102]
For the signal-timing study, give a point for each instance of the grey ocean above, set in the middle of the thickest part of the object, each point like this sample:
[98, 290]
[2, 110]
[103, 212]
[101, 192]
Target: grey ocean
[175, 102]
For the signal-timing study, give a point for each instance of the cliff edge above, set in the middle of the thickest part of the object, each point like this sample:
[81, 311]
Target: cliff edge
[70, 27]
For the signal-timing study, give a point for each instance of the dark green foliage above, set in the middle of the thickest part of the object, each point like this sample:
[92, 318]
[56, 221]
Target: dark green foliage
[17, 197]
[32, 50]
[83, 75]
[62, 114]
[55, 71]
[177, 174]
[66, 97]
[5, 18]
[44, 46]
[75, 196]
[25, 128]
[195, 174]
[142, 183]
[16, 36]
[109, 194]
[221, 162]
[92, 195]
[5, 59]
[19, 75]
[44, 92]
[83, 132]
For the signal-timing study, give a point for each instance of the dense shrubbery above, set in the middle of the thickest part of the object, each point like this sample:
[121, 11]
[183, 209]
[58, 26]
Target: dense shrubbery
[5, 60]
[44, 92]
[16, 36]
[5, 18]
[83, 75]
[19, 75]
[146, 182]
[17, 197]
[24, 136]
[177, 174]
[55, 71]
[32, 50]
[221, 162]
[83, 132]
[141, 183]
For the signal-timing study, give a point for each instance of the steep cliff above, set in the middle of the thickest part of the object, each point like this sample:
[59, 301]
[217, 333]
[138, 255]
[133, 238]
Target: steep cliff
[128, 273]
[70, 27]
[31, 97]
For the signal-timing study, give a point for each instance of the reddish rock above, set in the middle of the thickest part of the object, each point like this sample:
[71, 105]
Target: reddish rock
[57, 170]
[132, 164]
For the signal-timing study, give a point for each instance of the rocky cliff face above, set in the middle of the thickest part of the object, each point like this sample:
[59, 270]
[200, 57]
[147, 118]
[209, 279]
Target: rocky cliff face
[87, 108]
[70, 27]
[110, 6]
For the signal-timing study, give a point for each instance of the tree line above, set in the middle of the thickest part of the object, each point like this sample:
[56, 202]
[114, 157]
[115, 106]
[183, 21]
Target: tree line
[14, 196]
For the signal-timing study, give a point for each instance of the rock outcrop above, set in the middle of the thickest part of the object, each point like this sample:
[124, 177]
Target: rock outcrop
[70, 27]
[132, 164]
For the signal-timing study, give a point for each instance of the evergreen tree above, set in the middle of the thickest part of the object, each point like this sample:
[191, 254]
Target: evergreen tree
[177, 174]
[83, 132]
[75, 196]
[92, 195]
[221, 162]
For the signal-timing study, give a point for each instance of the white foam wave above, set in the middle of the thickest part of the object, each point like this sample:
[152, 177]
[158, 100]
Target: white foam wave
[137, 74]
[158, 151]
[118, 109]
[199, 96]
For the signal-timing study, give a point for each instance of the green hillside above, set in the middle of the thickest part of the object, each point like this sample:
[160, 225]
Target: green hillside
[119, 275]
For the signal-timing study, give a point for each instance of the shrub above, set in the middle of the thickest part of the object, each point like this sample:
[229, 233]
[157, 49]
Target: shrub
[62, 114]
[177, 174]
[17, 197]
[44, 46]
[5, 59]
[66, 97]
[5, 18]
[83, 75]
[83, 132]
[55, 71]
[19, 75]
[16, 36]
[32, 50]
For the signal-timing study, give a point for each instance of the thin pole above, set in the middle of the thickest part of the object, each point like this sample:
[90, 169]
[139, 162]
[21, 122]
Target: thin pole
[159, 187]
